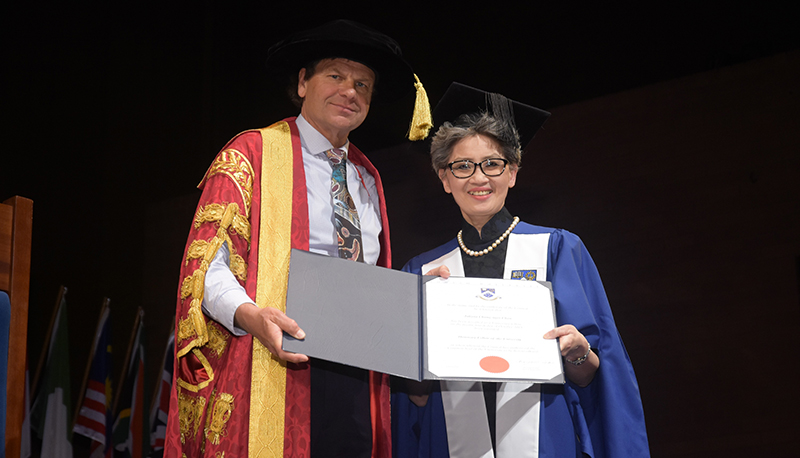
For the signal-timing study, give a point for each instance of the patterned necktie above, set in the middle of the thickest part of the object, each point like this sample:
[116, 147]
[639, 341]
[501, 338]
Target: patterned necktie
[348, 226]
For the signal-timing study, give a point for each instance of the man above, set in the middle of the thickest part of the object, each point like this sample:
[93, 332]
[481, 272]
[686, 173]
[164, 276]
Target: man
[268, 191]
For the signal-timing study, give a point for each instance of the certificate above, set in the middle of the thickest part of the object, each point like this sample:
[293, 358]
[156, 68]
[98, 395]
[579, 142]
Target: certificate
[422, 327]
[480, 328]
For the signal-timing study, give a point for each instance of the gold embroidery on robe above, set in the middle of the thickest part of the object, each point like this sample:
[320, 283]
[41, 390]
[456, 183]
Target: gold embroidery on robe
[190, 411]
[235, 165]
[197, 249]
[212, 213]
[241, 225]
[186, 287]
[185, 330]
[239, 267]
[208, 419]
[217, 340]
[220, 413]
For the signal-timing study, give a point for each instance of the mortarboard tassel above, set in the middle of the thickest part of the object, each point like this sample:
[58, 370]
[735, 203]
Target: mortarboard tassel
[421, 121]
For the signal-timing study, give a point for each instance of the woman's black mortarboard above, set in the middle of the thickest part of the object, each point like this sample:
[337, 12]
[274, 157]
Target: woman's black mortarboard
[461, 99]
[351, 40]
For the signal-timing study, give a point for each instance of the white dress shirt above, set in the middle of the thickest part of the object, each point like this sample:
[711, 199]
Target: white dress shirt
[223, 293]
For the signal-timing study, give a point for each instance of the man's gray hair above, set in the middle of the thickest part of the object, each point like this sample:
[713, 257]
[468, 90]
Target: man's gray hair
[469, 125]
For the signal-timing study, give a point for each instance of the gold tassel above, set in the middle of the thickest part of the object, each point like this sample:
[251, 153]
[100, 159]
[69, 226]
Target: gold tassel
[421, 121]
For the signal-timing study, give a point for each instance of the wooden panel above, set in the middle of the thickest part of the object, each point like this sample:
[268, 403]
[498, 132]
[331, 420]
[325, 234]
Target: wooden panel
[20, 221]
[6, 224]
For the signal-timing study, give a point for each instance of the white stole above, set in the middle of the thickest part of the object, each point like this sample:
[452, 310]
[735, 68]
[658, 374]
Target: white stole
[517, 422]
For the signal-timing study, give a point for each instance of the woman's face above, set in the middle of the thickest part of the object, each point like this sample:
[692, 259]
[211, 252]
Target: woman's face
[478, 196]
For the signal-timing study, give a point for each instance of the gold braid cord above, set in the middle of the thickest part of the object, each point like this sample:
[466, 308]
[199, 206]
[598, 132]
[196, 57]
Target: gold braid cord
[212, 213]
[268, 385]
[197, 250]
[194, 285]
[194, 326]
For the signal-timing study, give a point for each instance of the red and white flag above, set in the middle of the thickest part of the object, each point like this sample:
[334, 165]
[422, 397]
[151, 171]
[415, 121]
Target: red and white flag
[95, 419]
[160, 409]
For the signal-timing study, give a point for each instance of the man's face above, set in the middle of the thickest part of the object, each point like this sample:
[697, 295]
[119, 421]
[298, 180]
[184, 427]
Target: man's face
[336, 98]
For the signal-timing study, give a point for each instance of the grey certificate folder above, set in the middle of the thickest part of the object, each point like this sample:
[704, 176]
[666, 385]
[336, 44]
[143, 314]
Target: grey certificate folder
[360, 315]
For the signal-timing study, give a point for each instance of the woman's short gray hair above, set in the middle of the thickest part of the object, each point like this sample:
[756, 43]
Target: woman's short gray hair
[469, 125]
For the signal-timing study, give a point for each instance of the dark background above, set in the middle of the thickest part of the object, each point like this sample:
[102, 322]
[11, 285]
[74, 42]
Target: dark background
[113, 113]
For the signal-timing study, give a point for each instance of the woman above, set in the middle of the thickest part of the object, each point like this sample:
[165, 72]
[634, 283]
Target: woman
[597, 412]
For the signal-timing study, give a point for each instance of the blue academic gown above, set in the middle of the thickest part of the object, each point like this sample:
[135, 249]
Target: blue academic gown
[602, 420]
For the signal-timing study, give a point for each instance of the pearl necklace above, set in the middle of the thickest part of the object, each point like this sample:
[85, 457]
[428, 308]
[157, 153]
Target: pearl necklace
[490, 247]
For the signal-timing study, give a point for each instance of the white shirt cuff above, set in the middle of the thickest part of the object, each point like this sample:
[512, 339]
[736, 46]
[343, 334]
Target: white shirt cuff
[223, 293]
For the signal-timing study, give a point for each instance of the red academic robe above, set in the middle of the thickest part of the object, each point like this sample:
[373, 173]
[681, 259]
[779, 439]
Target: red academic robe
[229, 395]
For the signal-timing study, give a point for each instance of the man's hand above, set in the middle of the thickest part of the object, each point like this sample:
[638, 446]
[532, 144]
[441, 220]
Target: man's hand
[268, 325]
[441, 271]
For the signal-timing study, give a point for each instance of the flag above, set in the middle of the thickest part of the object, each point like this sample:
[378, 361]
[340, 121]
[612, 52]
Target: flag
[129, 425]
[160, 409]
[94, 418]
[50, 414]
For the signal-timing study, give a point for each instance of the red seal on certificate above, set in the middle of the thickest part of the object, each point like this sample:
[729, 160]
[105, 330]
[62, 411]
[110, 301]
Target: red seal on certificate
[494, 364]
